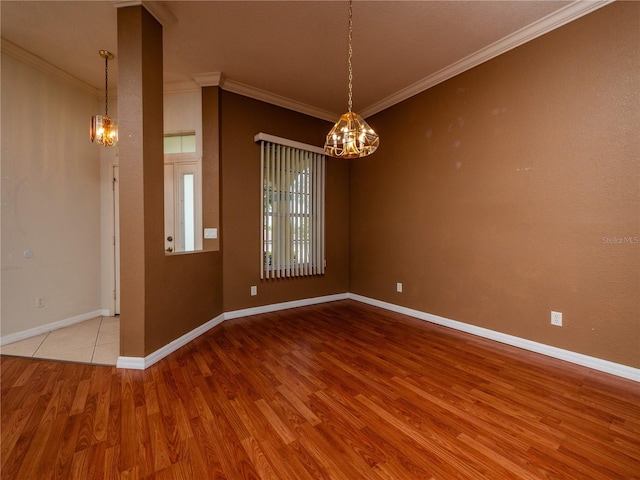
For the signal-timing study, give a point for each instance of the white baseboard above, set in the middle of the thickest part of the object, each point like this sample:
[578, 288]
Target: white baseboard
[559, 353]
[284, 306]
[140, 363]
[49, 327]
[132, 363]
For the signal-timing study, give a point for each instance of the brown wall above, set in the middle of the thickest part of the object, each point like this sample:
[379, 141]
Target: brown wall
[162, 296]
[211, 164]
[492, 195]
[241, 118]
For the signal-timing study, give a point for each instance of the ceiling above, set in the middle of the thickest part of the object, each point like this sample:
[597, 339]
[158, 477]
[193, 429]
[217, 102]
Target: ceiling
[293, 53]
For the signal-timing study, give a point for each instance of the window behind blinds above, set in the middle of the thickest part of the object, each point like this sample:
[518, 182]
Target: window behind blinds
[293, 196]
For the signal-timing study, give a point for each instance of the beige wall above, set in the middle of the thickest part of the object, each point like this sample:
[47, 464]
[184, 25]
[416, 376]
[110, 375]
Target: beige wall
[50, 199]
[241, 119]
[492, 195]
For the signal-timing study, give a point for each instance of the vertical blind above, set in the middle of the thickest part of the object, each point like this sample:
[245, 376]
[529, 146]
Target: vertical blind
[293, 197]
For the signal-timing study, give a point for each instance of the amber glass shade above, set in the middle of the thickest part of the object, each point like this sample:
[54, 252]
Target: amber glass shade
[351, 137]
[103, 130]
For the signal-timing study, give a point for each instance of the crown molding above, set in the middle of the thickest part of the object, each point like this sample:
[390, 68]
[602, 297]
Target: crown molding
[218, 79]
[158, 9]
[209, 79]
[555, 20]
[29, 58]
[278, 100]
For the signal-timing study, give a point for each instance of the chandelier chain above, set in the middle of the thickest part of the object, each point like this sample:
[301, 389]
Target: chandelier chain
[106, 86]
[350, 55]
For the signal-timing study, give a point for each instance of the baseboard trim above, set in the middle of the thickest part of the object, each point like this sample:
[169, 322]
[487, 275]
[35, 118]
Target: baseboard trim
[49, 327]
[141, 363]
[594, 363]
[284, 306]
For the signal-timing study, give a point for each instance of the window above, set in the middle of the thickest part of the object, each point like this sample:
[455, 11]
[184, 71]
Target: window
[180, 143]
[293, 194]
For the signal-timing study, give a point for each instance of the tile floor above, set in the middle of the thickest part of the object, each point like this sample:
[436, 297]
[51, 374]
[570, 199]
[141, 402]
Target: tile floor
[92, 341]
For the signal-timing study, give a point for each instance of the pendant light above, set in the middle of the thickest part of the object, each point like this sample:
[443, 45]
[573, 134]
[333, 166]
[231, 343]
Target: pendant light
[104, 131]
[351, 136]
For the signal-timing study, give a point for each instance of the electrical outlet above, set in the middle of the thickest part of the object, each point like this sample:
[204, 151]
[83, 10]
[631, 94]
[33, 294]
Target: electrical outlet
[399, 287]
[556, 318]
[39, 302]
[254, 290]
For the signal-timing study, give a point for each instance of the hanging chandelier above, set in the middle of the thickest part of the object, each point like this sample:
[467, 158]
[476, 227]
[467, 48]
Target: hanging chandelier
[104, 131]
[351, 136]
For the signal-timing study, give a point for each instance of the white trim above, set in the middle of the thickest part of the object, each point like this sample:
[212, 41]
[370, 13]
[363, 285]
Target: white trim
[265, 137]
[555, 20]
[284, 306]
[49, 327]
[132, 363]
[139, 363]
[624, 371]
[554, 352]
[209, 79]
[34, 61]
[218, 79]
[561, 17]
[277, 100]
[158, 10]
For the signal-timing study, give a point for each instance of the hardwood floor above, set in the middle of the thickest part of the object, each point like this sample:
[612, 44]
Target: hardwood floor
[337, 391]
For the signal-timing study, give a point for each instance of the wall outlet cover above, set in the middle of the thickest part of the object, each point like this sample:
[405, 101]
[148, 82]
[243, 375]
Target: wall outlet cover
[556, 318]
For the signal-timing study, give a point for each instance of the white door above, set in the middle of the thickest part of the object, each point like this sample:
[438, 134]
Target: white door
[182, 206]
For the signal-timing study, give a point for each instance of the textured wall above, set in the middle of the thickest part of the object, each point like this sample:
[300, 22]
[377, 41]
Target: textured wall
[163, 296]
[241, 119]
[50, 199]
[512, 190]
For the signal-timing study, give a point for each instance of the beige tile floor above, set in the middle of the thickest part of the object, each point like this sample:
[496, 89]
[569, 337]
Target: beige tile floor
[92, 341]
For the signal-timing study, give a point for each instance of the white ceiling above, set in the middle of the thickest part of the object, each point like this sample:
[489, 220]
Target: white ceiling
[294, 53]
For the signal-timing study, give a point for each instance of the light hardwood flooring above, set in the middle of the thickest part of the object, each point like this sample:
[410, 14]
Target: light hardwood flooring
[93, 341]
[340, 391]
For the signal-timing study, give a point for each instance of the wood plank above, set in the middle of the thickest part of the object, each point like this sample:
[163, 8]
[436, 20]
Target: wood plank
[334, 391]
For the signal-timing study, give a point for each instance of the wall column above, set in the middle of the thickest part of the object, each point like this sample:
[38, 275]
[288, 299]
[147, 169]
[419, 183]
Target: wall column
[140, 103]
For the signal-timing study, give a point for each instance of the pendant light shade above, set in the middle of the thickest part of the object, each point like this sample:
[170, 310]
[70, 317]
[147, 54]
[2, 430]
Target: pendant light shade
[351, 136]
[104, 130]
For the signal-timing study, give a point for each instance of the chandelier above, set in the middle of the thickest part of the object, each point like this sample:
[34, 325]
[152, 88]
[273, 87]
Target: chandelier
[104, 131]
[351, 136]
